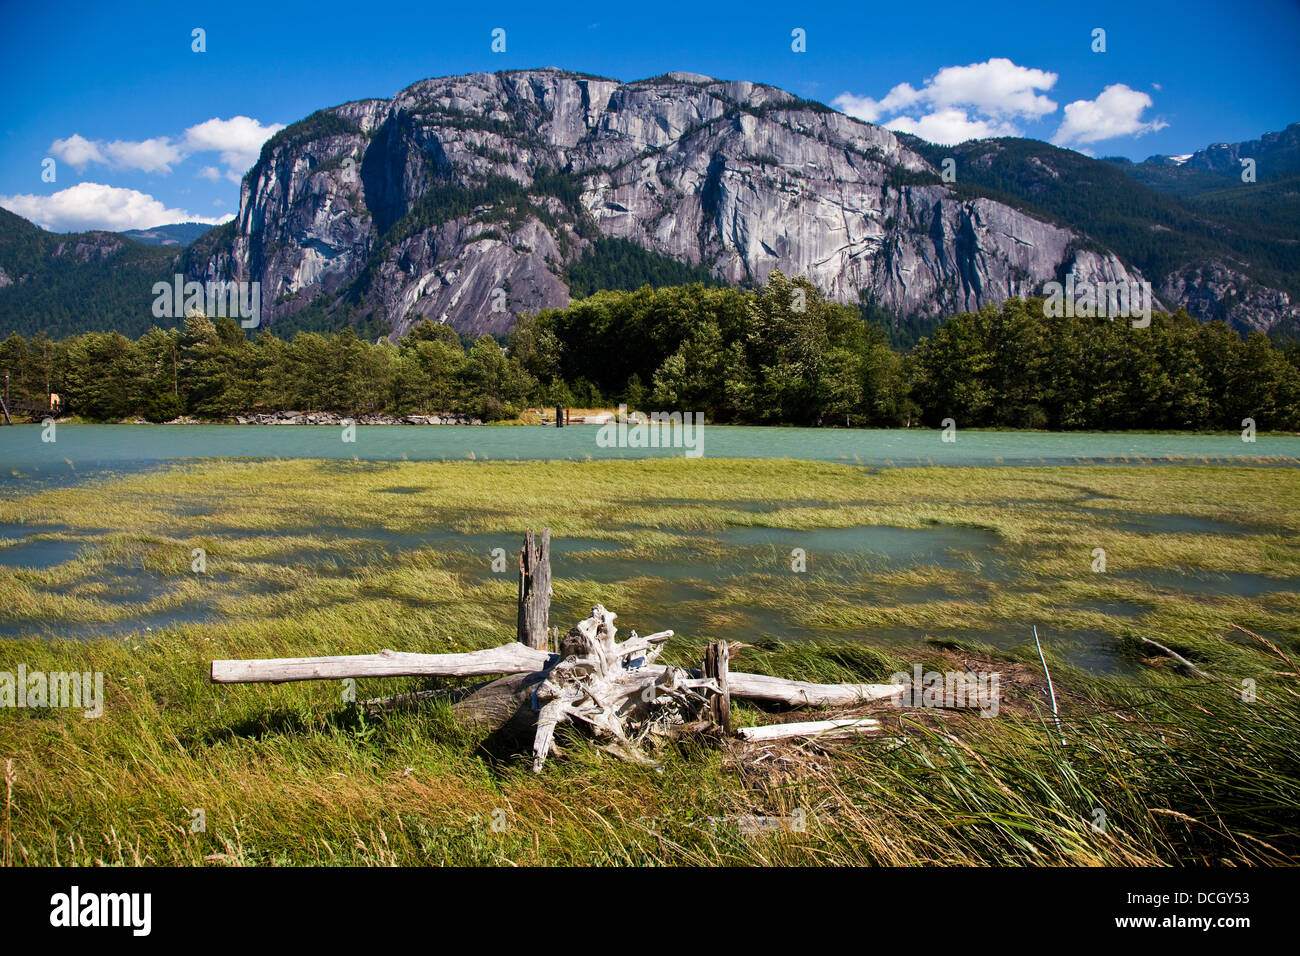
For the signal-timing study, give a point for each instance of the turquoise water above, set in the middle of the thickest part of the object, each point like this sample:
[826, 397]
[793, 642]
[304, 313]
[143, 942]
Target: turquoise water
[84, 450]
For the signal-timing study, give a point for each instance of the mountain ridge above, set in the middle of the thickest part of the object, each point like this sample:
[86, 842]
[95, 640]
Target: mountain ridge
[469, 199]
[388, 205]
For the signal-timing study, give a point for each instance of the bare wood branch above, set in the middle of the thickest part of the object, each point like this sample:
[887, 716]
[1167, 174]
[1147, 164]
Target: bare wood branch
[1179, 657]
[508, 659]
[797, 693]
[812, 728]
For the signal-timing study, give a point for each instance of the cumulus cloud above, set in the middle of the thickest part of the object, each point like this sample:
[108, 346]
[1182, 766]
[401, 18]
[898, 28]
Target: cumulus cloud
[77, 151]
[961, 102]
[238, 140]
[96, 206]
[950, 126]
[863, 107]
[1117, 111]
[148, 156]
[996, 87]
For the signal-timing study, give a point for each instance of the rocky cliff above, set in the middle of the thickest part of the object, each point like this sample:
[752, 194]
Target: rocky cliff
[463, 199]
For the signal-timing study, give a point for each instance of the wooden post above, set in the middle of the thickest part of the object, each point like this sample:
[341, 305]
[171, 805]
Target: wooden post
[534, 591]
[716, 665]
[559, 416]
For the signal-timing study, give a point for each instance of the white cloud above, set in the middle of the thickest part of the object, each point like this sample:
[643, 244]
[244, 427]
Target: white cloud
[210, 172]
[77, 151]
[996, 87]
[950, 126]
[96, 206]
[238, 140]
[1117, 111]
[995, 91]
[863, 107]
[148, 156]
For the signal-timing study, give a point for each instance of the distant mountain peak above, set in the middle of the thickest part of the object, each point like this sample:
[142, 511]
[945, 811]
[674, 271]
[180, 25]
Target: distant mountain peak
[179, 234]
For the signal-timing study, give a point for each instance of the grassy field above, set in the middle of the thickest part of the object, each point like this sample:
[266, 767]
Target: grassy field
[313, 558]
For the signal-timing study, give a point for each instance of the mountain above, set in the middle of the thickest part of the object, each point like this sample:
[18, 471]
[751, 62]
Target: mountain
[64, 283]
[175, 234]
[468, 199]
[1228, 254]
[1276, 155]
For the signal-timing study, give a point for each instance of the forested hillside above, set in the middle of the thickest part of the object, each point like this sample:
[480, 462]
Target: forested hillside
[59, 284]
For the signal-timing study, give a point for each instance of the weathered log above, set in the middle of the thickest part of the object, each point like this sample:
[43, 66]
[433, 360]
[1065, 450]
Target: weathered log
[415, 698]
[798, 693]
[811, 728]
[534, 591]
[508, 659]
[494, 705]
[517, 659]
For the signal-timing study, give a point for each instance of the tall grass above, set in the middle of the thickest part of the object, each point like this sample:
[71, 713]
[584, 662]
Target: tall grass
[1159, 766]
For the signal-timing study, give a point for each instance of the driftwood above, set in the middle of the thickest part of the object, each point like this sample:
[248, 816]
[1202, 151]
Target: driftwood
[1179, 657]
[811, 728]
[798, 693]
[508, 659]
[517, 659]
[608, 687]
[616, 691]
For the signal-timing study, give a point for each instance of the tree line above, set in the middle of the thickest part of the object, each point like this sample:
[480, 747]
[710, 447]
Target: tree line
[781, 354]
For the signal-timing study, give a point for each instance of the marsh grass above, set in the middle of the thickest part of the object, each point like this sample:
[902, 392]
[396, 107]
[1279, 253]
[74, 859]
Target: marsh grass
[310, 558]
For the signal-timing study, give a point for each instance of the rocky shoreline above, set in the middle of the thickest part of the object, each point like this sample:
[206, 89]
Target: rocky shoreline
[333, 418]
[314, 418]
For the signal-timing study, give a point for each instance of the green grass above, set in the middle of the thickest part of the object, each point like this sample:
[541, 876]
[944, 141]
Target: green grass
[1185, 770]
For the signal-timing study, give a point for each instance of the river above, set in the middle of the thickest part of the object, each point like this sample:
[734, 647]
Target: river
[81, 451]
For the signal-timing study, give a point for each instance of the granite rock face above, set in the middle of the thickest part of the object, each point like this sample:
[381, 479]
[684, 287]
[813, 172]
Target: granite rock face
[463, 199]
[1214, 290]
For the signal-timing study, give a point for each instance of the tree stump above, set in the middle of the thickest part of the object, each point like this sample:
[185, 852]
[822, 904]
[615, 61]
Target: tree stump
[534, 591]
[614, 689]
[716, 664]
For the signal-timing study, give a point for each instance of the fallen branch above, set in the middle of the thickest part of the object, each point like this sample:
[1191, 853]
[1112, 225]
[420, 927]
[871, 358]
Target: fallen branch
[798, 693]
[507, 659]
[1179, 657]
[517, 659]
[811, 728]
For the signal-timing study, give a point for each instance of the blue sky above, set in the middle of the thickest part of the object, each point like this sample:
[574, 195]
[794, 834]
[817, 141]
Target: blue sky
[144, 130]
